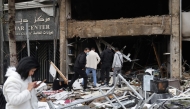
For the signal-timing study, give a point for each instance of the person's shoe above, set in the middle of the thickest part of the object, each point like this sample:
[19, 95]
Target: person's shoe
[106, 85]
[111, 85]
[88, 87]
[102, 84]
[119, 86]
[69, 89]
[86, 90]
[94, 86]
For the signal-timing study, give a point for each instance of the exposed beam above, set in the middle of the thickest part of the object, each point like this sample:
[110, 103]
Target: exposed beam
[98, 46]
[149, 25]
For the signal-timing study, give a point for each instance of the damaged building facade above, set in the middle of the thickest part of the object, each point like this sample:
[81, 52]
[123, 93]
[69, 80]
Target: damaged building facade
[152, 35]
[153, 32]
[150, 31]
[147, 30]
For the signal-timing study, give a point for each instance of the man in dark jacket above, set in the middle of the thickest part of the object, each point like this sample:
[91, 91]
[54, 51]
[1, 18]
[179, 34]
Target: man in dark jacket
[106, 60]
[79, 69]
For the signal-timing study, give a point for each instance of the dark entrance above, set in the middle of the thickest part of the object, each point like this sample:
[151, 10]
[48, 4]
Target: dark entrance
[43, 51]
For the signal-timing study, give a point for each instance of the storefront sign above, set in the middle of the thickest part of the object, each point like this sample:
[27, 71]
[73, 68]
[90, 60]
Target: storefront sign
[40, 25]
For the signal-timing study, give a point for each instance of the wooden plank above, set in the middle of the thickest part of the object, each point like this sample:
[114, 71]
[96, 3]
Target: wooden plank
[158, 59]
[60, 73]
[120, 27]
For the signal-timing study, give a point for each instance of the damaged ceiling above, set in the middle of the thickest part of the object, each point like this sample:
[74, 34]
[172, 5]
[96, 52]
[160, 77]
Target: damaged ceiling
[113, 9]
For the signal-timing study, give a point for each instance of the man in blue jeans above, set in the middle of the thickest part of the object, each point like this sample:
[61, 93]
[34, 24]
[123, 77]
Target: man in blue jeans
[92, 60]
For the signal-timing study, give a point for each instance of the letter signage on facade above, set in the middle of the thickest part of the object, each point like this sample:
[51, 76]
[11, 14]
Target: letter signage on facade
[40, 25]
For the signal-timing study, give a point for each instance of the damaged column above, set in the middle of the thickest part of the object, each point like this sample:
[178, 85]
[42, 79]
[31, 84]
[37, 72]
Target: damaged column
[175, 44]
[63, 22]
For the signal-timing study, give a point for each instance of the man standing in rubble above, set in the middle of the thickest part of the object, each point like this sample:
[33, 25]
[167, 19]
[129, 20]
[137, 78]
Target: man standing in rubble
[92, 60]
[106, 62]
[117, 65]
[79, 69]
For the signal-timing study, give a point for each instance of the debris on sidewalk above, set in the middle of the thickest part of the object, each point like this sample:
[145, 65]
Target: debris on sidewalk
[140, 93]
[141, 89]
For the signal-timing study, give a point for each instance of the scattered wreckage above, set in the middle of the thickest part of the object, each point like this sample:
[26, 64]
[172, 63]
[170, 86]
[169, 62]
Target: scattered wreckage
[144, 90]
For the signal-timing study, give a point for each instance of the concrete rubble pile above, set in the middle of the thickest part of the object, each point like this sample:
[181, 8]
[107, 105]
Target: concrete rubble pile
[134, 94]
[63, 97]
[144, 91]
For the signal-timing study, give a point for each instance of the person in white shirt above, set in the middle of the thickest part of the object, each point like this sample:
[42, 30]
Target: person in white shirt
[117, 65]
[92, 60]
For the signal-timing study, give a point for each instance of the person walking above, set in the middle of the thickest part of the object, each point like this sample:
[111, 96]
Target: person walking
[106, 62]
[79, 69]
[117, 65]
[92, 60]
[19, 90]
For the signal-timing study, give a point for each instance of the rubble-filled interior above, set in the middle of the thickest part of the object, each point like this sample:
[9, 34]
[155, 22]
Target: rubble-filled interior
[185, 56]
[113, 9]
[140, 48]
[185, 5]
